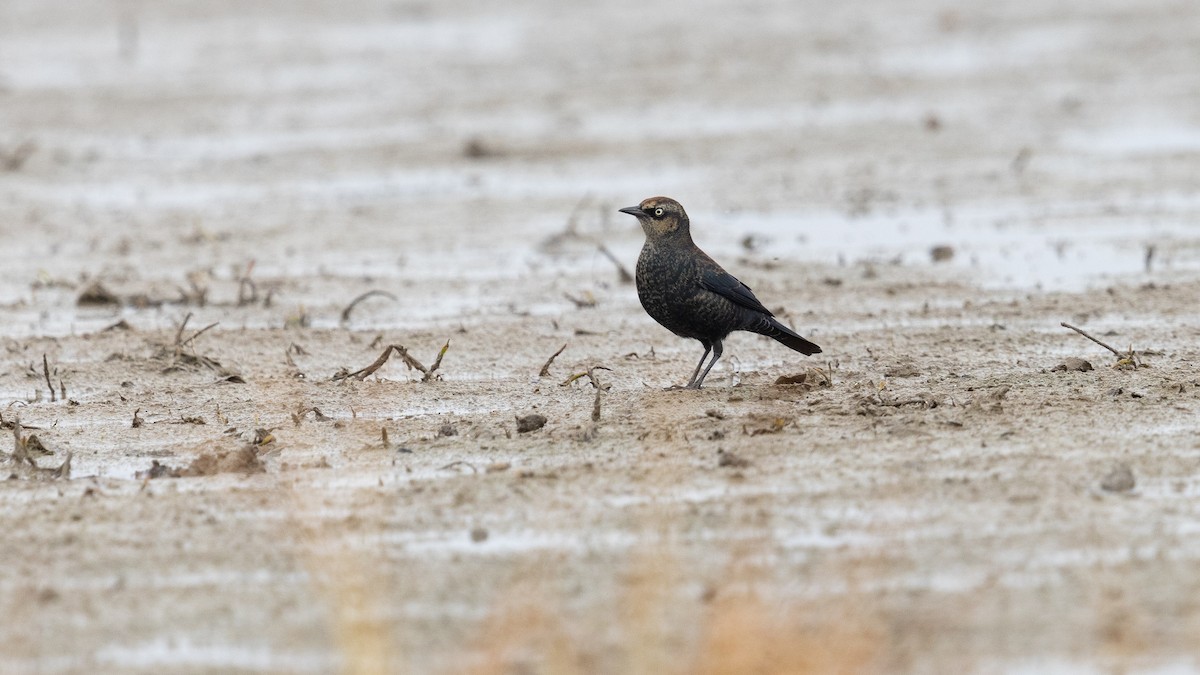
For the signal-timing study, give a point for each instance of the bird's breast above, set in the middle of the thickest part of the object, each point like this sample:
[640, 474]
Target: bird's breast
[670, 292]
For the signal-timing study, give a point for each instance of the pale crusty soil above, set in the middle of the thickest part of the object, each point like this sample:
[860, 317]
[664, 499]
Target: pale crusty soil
[948, 503]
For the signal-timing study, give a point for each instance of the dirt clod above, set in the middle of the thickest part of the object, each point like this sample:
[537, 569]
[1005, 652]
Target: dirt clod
[728, 460]
[158, 470]
[532, 422]
[242, 460]
[1072, 364]
[97, 294]
[1120, 479]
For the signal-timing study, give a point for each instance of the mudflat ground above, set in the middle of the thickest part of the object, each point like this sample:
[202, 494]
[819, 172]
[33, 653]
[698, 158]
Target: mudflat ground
[925, 190]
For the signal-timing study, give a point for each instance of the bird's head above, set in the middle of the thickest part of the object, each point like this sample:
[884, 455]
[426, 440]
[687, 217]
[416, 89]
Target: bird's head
[660, 217]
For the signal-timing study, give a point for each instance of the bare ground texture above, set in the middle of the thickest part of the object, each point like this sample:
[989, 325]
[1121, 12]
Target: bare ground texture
[193, 194]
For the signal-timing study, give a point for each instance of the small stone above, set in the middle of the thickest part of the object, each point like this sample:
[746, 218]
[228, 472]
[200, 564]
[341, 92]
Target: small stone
[730, 460]
[448, 430]
[798, 378]
[1120, 479]
[97, 294]
[1072, 364]
[530, 423]
[479, 534]
[941, 253]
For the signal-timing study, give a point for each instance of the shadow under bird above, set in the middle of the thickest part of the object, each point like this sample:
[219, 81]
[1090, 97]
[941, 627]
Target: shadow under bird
[690, 294]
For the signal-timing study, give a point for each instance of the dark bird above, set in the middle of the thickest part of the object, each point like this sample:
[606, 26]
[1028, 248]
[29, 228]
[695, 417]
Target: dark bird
[690, 295]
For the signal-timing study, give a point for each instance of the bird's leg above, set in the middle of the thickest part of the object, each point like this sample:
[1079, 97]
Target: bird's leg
[716, 349]
[707, 348]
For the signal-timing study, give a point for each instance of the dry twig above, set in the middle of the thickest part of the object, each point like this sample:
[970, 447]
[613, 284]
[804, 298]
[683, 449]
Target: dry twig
[1123, 358]
[545, 371]
[179, 333]
[46, 370]
[409, 360]
[369, 294]
[595, 403]
[244, 283]
[460, 462]
[199, 333]
[622, 273]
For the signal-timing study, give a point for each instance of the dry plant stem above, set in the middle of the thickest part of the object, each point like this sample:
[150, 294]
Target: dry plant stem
[245, 298]
[1064, 324]
[437, 362]
[589, 373]
[375, 365]
[199, 333]
[625, 276]
[46, 371]
[369, 294]
[244, 283]
[545, 371]
[596, 402]
[179, 333]
[460, 462]
[428, 373]
[20, 450]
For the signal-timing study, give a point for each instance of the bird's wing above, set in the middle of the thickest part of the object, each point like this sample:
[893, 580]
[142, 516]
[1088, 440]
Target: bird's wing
[727, 286]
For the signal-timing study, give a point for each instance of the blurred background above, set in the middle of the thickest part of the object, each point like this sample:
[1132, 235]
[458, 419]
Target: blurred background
[315, 144]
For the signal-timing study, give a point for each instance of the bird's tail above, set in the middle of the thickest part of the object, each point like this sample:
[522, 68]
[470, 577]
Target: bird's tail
[777, 331]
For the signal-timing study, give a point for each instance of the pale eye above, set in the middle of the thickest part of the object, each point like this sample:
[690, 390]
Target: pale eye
[658, 212]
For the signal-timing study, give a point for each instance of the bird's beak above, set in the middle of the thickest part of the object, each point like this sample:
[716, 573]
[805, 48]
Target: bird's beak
[633, 211]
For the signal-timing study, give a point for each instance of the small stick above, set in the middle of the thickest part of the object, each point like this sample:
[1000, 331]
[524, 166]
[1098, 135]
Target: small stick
[243, 283]
[409, 361]
[64, 469]
[545, 371]
[437, 362]
[198, 333]
[21, 450]
[353, 303]
[364, 373]
[595, 403]
[46, 370]
[1064, 324]
[179, 333]
[625, 276]
[460, 462]
[587, 373]
[247, 298]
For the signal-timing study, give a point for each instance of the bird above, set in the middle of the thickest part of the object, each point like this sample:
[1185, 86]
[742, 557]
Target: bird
[692, 296]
